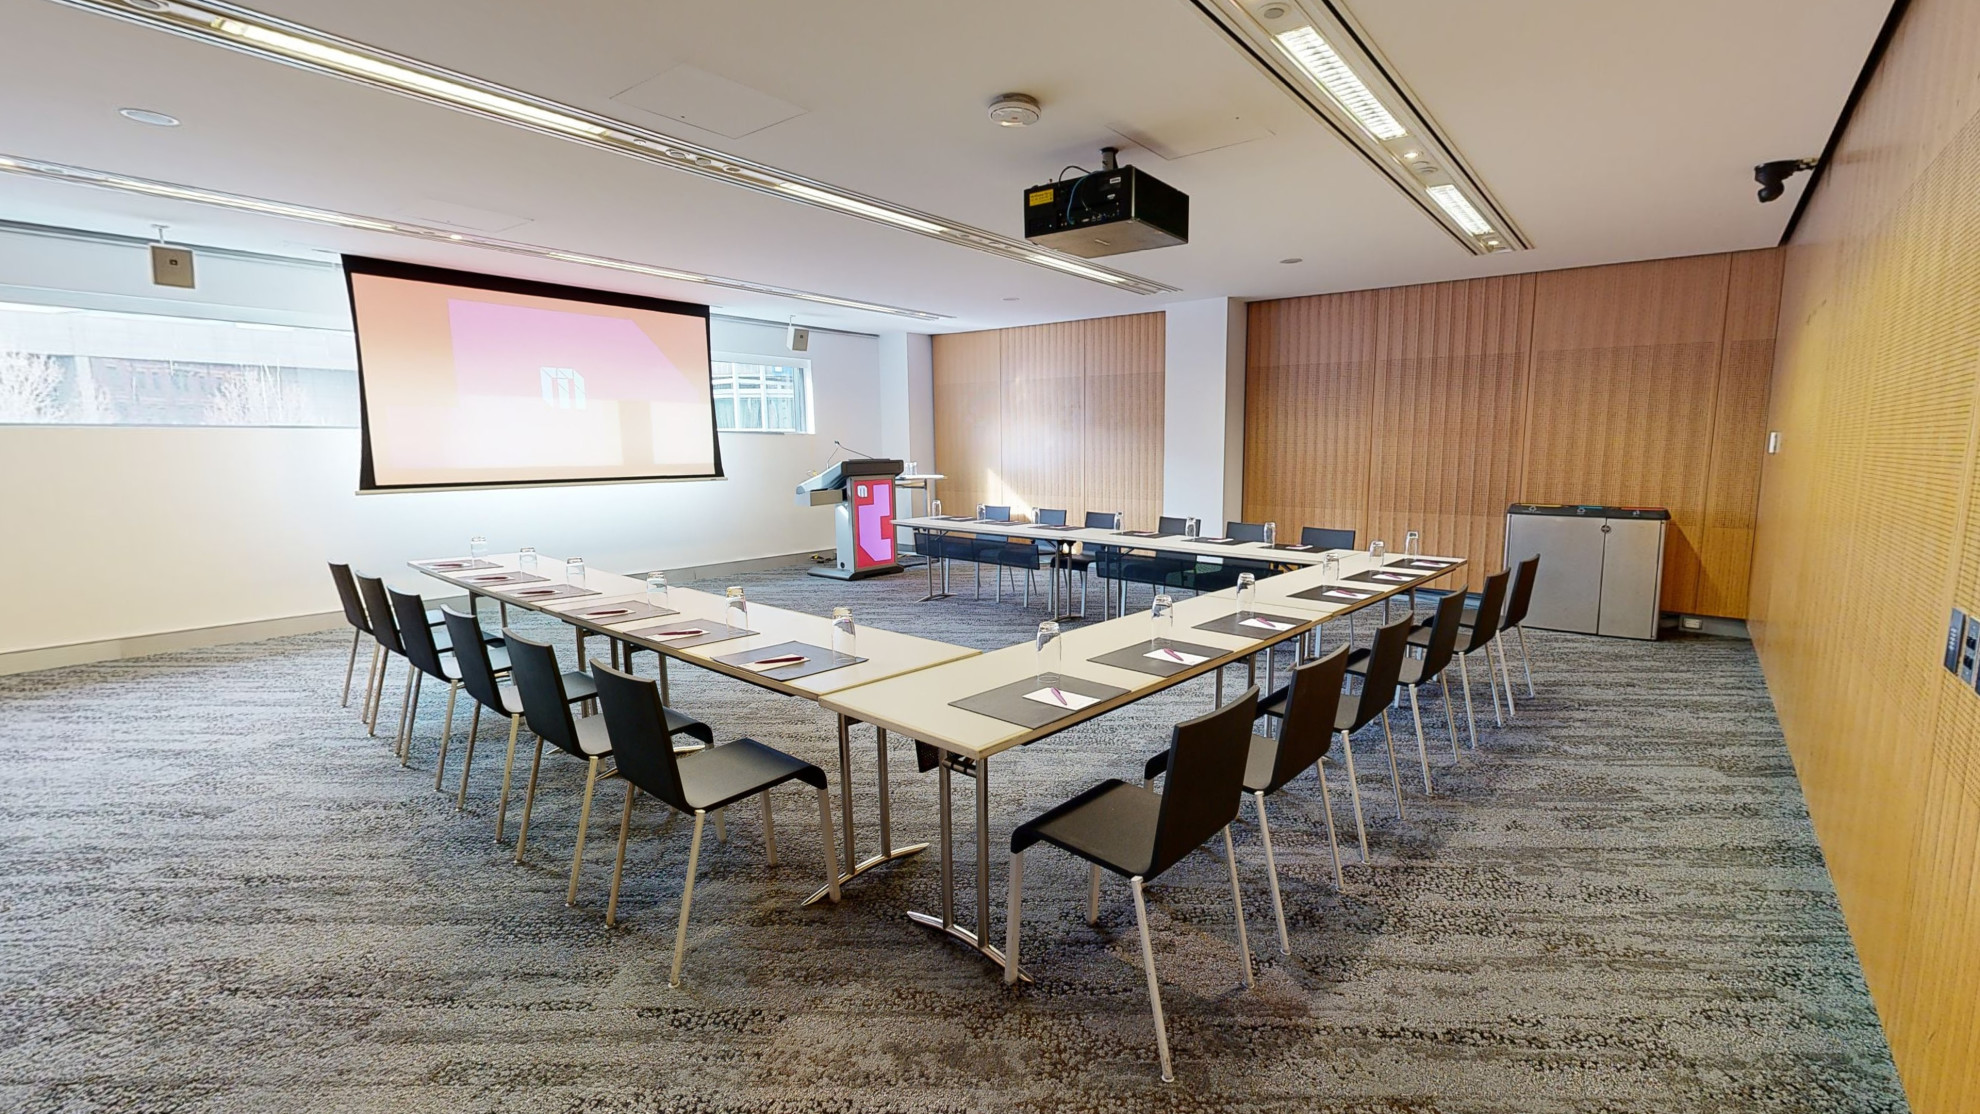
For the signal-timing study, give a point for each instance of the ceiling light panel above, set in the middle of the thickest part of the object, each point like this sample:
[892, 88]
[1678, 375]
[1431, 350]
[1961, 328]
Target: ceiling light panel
[1318, 53]
[82, 176]
[265, 36]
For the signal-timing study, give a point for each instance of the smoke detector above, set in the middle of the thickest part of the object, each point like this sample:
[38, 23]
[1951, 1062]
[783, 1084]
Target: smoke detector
[1014, 110]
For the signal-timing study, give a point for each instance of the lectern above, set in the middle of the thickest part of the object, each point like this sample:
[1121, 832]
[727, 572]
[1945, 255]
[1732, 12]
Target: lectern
[863, 491]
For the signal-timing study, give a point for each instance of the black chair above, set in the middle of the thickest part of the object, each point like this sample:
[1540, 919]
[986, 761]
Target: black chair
[1138, 834]
[1171, 526]
[1001, 553]
[1158, 571]
[1059, 556]
[479, 679]
[385, 633]
[1480, 631]
[1438, 638]
[696, 783]
[1216, 579]
[431, 657]
[1514, 619]
[1305, 733]
[1323, 538]
[347, 594]
[1378, 690]
[1245, 531]
[547, 709]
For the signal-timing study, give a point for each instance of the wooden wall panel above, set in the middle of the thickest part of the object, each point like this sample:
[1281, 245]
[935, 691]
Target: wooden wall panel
[1308, 410]
[1064, 415]
[1874, 394]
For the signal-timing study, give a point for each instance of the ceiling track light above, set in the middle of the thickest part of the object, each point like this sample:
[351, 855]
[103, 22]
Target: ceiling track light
[1316, 51]
[99, 179]
[264, 36]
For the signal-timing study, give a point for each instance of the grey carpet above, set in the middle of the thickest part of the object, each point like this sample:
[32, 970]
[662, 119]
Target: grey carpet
[220, 895]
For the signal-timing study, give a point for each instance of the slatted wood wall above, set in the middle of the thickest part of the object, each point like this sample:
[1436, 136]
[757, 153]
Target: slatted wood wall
[1066, 415]
[1432, 407]
[1868, 535]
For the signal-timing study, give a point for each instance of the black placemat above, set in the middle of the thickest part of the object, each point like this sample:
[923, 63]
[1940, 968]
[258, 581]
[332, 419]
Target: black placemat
[1415, 565]
[952, 518]
[542, 595]
[1297, 548]
[1214, 541]
[1374, 576]
[629, 611]
[715, 632]
[456, 564]
[1056, 526]
[1335, 593]
[821, 659]
[497, 580]
[1143, 534]
[1008, 703]
[1228, 624]
[1136, 657]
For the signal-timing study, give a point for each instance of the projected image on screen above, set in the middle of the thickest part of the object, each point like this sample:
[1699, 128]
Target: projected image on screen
[473, 380]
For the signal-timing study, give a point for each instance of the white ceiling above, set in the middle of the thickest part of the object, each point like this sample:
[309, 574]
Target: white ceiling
[1610, 131]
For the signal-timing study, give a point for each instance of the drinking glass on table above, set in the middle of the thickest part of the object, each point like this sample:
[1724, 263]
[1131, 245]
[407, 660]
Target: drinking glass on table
[477, 547]
[1247, 593]
[845, 637]
[1378, 551]
[737, 615]
[934, 508]
[1050, 652]
[574, 571]
[526, 557]
[1120, 521]
[1413, 544]
[981, 510]
[1271, 533]
[1330, 567]
[1162, 620]
[656, 589]
[1192, 527]
[913, 468]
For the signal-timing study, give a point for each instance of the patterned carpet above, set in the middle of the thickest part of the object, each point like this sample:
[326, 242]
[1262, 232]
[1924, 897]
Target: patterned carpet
[219, 894]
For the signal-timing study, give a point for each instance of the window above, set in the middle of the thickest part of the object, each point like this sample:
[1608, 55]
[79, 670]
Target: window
[755, 397]
[61, 365]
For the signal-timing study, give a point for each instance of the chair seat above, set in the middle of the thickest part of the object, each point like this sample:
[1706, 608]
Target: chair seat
[1257, 764]
[1412, 668]
[1078, 562]
[577, 686]
[1012, 556]
[1111, 825]
[717, 776]
[591, 736]
[434, 618]
[450, 666]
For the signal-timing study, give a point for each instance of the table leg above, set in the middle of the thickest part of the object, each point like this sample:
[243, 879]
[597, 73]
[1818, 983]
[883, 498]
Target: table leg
[946, 923]
[888, 852]
[663, 675]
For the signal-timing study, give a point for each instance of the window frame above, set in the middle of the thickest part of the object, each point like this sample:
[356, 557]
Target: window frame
[808, 396]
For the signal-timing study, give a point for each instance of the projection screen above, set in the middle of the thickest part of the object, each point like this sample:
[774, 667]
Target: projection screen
[468, 380]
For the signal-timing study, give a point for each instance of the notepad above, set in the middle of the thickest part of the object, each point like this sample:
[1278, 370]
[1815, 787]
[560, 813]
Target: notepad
[673, 635]
[1171, 654]
[1264, 624]
[1060, 698]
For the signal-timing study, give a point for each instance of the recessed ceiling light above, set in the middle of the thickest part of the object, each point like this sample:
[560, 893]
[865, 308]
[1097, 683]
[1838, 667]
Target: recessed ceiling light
[1460, 208]
[1293, 259]
[149, 5]
[1411, 155]
[147, 116]
[1310, 51]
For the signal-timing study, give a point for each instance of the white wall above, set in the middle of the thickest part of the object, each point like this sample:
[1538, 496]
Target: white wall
[1203, 411]
[118, 532]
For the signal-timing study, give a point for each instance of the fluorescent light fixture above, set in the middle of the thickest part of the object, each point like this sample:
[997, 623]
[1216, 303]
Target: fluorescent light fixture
[1453, 201]
[1314, 54]
[860, 208]
[77, 175]
[1073, 266]
[376, 69]
[26, 307]
[223, 23]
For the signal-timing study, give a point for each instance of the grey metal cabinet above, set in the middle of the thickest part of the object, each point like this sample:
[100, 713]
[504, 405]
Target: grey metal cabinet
[1601, 568]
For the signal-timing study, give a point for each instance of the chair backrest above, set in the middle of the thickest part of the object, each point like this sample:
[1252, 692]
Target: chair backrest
[996, 514]
[1522, 592]
[1378, 685]
[471, 653]
[1206, 779]
[415, 636]
[1308, 728]
[1324, 538]
[1490, 601]
[347, 594]
[1046, 516]
[1443, 634]
[546, 706]
[378, 608]
[1101, 520]
[637, 725]
[1245, 531]
[1169, 525]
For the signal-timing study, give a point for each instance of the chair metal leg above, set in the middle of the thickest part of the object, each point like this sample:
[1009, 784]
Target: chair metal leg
[370, 683]
[408, 712]
[385, 668]
[1092, 899]
[467, 759]
[1464, 682]
[1272, 872]
[769, 831]
[1327, 810]
[1525, 662]
[1014, 917]
[1154, 990]
[687, 898]
[619, 864]
[1422, 748]
[1395, 772]
[1492, 685]
[529, 801]
[584, 822]
[1237, 904]
[351, 669]
[1450, 715]
[1354, 793]
[1505, 673]
[825, 838]
[508, 775]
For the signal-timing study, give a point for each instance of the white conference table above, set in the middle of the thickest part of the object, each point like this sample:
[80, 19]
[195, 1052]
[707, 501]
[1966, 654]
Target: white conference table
[920, 706]
[888, 654]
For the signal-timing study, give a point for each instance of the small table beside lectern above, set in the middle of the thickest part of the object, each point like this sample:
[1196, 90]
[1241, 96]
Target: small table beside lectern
[863, 491]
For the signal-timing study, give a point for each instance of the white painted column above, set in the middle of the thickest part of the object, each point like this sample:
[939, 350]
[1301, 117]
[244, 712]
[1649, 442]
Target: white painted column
[1203, 412]
[907, 397]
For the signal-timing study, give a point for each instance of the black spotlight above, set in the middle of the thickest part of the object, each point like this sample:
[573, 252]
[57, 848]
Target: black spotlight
[1772, 176]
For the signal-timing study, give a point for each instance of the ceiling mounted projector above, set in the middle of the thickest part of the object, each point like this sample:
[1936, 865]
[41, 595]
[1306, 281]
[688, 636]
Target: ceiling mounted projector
[1112, 210]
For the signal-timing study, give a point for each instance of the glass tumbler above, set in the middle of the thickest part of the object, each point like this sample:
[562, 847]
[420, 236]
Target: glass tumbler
[477, 547]
[1413, 544]
[1192, 527]
[574, 570]
[1378, 551]
[934, 508]
[1051, 652]
[1271, 533]
[845, 637]
[1161, 620]
[526, 557]
[737, 615]
[1330, 567]
[656, 589]
[1247, 593]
